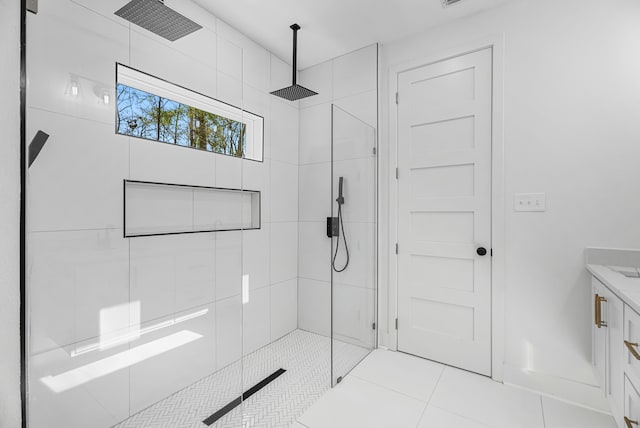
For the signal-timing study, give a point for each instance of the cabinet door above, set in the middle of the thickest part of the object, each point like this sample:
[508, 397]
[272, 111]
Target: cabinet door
[631, 351]
[631, 404]
[615, 352]
[599, 332]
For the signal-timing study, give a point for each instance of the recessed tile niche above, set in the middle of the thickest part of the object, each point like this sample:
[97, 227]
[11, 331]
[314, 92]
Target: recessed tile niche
[164, 209]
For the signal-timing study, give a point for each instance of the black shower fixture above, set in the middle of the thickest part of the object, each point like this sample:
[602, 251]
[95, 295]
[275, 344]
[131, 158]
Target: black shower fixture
[154, 16]
[294, 92]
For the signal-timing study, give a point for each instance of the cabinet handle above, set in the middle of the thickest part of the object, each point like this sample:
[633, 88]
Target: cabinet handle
[629, 422]
[632, 348]
[598, 311]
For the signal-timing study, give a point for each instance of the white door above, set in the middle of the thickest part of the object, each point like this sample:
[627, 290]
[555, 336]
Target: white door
[444, 215]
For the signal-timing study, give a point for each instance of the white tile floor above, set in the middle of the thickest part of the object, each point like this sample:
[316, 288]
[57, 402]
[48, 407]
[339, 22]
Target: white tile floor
[391, 389]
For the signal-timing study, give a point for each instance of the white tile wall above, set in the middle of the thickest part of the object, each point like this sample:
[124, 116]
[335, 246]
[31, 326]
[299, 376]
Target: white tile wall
[178, 367]
[315, 192]
[284, 131]
[355, 72]
[284, 251]
[353, 314]
[256, 329]
[361, 103]
[73, 275]
[318, 78]
[155, 162]
[315, 251]
[150, 54]
[228, 264]
[228, 331]
[57, 55]
[284, 192]
[102, 402]
[350, 82]
[314, 307]
[284, 308]
[77, 183]
[281, 74]
[172, 273]
[359, 193]
[256, 256]
[362, 250]
[315, 134]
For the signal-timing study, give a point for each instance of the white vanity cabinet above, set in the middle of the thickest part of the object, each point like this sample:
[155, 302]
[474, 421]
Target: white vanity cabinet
[616, 330]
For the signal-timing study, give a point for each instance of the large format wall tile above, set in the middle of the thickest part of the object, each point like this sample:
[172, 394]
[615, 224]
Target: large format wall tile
[228, 331]
[284, 131]
[58, 56]
[256, 327]
[76, 181]
[315, 191]
[353, 314]
[256, 256]
[358, 191]
[75, 401]
[315, 134]
[315, 251]
[284, 192]
[172, 273]
[74, 276]
[257, 176]
[151, 55]
[355, 72]
[318, 78]
[284, 308]
[284, 251]
[228, 264]
[314, 313]
[361, 240]
[179, 355]
[160, 163]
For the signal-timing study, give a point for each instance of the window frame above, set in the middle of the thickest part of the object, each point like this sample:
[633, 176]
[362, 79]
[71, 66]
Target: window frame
[145, 82]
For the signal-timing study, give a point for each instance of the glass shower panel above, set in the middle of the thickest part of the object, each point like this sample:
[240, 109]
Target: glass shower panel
[353, 250]
[122, 327]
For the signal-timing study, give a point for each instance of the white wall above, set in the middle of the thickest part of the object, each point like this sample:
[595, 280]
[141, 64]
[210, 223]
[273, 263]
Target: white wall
[9, 214]
[349, 82]
[83, 272]
[571, 114]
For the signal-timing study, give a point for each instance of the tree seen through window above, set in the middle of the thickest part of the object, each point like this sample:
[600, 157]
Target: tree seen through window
[145, 115]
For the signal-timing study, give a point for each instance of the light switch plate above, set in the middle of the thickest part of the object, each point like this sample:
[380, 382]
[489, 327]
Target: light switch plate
[530, 202]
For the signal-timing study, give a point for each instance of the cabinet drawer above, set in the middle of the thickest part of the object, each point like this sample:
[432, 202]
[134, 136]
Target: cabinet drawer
[631, 342]
[631, 404]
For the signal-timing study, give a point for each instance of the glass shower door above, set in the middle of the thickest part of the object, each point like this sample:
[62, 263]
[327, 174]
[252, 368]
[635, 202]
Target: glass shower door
[353, 246]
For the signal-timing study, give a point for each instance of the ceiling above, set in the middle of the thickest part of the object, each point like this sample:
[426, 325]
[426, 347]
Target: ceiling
[331, 28]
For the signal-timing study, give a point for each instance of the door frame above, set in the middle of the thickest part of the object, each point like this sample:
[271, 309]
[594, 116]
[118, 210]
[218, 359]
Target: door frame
[498, 213]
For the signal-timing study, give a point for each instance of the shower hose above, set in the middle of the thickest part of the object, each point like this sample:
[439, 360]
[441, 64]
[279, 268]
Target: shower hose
[344, 238]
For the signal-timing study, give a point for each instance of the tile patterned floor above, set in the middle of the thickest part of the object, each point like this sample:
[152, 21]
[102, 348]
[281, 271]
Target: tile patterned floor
[305, 356]
[391, 389]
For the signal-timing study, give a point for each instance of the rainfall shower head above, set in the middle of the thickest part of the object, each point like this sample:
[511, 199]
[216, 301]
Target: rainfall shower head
[294, 92]
[154, 16]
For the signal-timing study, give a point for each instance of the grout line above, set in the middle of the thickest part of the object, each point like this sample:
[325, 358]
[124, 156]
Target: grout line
[437, 384]
[384, 387]
[431, 396]
[544, 423]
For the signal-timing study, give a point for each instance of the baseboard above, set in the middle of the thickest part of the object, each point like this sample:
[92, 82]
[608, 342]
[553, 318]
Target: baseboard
[576, 393]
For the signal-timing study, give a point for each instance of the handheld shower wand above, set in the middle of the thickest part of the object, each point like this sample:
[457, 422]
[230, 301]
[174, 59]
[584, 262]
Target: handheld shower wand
[340, 202]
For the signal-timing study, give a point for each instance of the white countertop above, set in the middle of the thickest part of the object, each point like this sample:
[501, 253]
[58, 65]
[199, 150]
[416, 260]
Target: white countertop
[627, 289]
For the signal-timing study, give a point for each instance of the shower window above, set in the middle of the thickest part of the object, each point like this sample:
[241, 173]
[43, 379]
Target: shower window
[153, 109]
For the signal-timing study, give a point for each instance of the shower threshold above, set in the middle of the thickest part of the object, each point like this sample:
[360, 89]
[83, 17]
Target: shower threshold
[305, 360]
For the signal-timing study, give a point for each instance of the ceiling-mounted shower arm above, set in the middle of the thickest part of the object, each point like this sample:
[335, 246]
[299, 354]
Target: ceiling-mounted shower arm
[294, 92]
[295, 28]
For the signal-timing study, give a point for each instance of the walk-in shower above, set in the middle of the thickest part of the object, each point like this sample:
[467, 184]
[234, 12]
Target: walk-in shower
[174, 274]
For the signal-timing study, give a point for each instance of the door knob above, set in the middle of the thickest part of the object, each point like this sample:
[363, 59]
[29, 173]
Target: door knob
[481, 251]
